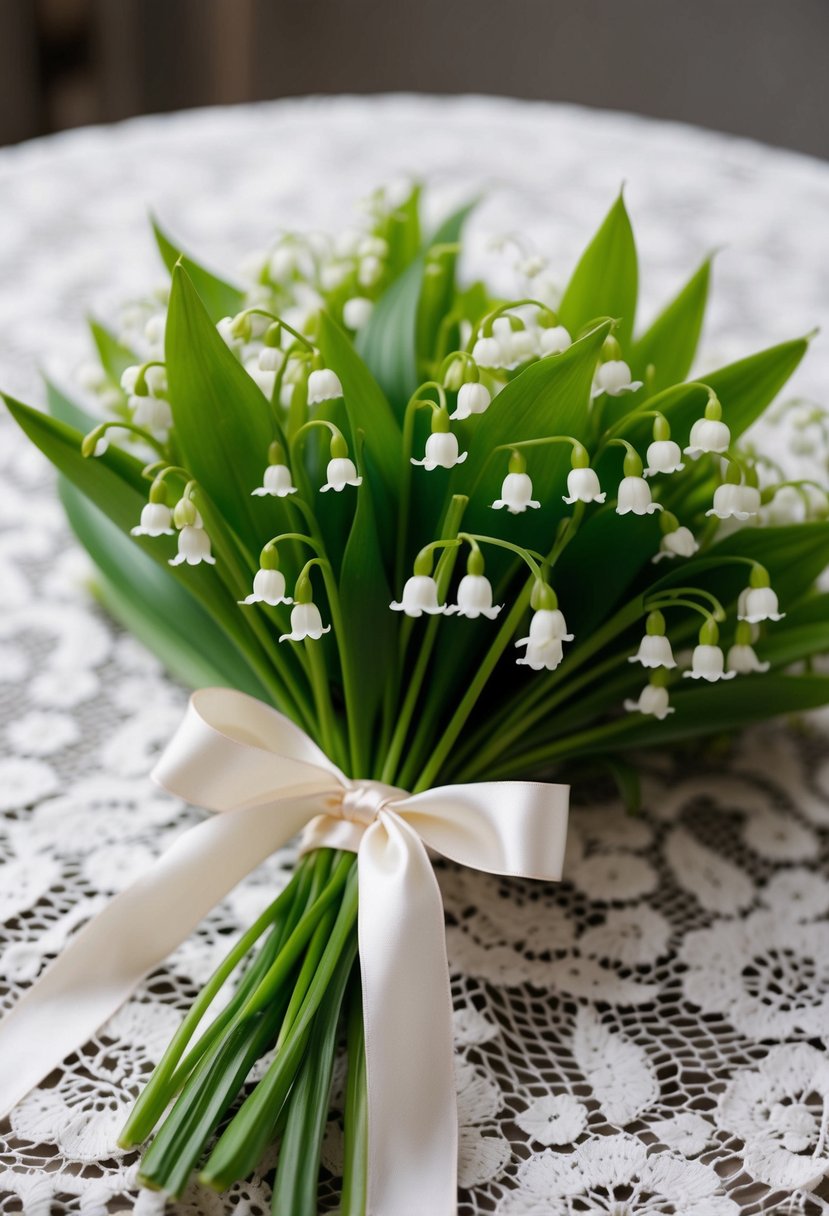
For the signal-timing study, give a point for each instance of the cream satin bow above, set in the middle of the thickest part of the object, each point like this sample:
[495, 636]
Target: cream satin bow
[235, 755]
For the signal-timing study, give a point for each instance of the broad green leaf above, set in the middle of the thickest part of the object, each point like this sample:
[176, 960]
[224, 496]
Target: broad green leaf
[153, 605]
[748, 386]
[223, 423]
[113, 482]
[368, 410]
[605, 282]
[719, 707]
[114, 357]
[789, 644]
[403, 231]
[669, 345]
[220, 298]
[62, 406]
[387, 342]
[601, 564]
[745, 389]
[368, 624]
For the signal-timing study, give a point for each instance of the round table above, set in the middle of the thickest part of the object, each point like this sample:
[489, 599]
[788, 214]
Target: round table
[651, 1033]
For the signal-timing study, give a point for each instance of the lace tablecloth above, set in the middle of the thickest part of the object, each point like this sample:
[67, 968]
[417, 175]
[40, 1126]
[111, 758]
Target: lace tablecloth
[648, 1037]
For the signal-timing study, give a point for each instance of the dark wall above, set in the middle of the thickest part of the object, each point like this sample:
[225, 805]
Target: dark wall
[753, 67]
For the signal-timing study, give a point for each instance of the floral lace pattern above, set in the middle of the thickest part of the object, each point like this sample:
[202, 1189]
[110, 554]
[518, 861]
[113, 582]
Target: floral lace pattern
[648, 1037]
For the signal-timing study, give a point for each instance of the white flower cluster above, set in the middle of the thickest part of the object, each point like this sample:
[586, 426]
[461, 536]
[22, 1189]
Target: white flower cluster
[757, 603]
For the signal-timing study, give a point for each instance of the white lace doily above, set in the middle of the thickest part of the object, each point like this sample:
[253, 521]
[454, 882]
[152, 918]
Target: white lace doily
[647, 1038]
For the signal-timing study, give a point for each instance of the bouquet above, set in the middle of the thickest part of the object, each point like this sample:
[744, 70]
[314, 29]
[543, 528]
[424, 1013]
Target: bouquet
[422, 549]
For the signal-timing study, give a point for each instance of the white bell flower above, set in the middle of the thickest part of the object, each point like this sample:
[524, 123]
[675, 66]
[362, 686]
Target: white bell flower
[284, 261]
[268, 588]
[654, 651]
[92, 377]
[742, 660]
[735, 502]
[129, 378]
[370, 271]
[487, 353]
[583, 486]
[475, 597]
[306, 622]
[473, 398]
[276, 482]
[154, 329]
[152, 413]
[356, 312]
[265, 380]
[663, 456]
[653, 700]
[341, 472]
[708, 435]
[758, 604]
[614, 377]
[678, 542]
[420, 595]
[228, 335]
[333, 275]
[516, 494]
[441, 452]
[521, 345]
[155, 378]
[708, 663]
[548, 630]
[271, 358]
[156, 520]
[553, 340]
[323, 385]
[634, 497]
[193, 547]
[373, 247]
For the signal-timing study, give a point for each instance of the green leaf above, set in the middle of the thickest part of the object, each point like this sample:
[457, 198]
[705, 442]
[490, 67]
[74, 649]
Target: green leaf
[367, 622]
[113, 483]
[618, 546]
[151, 604]
[223, 423]
[785, 644]
[720, 707]
[114, 357]
[605, 282]
[794, 555]
[220, 298]
[367, 408]
[669, 345]
[62, 406]
[387, 342]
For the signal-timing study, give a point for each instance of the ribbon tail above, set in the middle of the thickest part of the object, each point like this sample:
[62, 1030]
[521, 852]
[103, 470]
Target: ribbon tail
[134, 933]
[407, 1010]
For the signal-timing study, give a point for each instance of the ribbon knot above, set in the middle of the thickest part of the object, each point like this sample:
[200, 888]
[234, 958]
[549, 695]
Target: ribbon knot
[363, 802]
[267, 781]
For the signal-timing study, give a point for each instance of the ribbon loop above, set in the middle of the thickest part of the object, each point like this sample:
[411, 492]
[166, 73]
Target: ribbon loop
[268, 780]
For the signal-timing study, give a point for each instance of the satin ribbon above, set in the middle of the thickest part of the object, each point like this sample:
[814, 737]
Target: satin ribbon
[267, 781]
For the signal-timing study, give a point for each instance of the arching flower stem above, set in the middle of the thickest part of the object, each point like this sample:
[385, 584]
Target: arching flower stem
[392, 748]
[415, 402]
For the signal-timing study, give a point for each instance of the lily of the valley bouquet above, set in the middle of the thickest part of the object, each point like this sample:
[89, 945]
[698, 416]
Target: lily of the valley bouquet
[421, 550]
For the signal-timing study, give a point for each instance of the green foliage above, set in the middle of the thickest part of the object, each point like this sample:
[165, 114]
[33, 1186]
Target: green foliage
[605, 283]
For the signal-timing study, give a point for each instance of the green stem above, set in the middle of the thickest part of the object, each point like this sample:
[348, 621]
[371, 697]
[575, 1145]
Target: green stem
[355, 1148]
[497, 648]
[156, 1094]
[241, 1146]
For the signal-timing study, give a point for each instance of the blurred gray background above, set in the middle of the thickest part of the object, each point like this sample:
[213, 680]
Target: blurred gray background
[753, 67]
